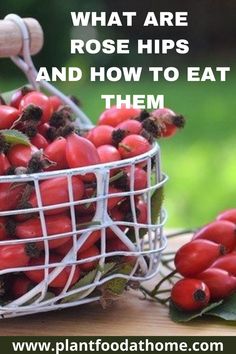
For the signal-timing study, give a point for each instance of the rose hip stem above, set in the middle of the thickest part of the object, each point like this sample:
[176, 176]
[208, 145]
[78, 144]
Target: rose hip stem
[155, 290]
[182, 232]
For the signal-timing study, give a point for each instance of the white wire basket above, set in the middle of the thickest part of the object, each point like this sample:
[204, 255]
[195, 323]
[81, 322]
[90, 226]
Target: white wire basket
[144, 250]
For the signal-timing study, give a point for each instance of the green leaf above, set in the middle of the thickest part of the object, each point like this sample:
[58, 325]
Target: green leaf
[86, 280]
[226, 311]
[7, 96]
[117, 286]
[14, 137]
[178, 315]
[49, 295]
[107, 267]
[156, 204]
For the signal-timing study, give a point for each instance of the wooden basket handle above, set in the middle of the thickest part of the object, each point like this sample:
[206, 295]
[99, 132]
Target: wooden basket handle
[11, 42]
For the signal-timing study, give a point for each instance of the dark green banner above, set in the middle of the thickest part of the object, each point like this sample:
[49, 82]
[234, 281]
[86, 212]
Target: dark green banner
[57, 345]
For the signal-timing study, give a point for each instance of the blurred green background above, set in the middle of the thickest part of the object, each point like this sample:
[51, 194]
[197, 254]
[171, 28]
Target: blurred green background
[201, 159]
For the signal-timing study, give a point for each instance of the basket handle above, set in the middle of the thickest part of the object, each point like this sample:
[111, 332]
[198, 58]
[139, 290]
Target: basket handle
[27, 41]
[11, 41]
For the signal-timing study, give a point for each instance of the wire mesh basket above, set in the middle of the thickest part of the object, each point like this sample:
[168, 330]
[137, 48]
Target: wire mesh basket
[143, 243]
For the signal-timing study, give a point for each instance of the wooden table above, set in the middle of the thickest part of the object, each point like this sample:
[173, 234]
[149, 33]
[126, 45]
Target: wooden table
[128, 316]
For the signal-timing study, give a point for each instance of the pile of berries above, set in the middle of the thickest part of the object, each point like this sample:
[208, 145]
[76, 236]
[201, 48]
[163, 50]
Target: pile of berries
[208, 265]
[54, 143]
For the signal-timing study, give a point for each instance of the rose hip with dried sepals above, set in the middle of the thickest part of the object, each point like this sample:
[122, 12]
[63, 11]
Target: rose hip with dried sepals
[133, 145]
[19, 155]
[163, 122]
[125, 128]
[17, 255]
[100, 135]
[56, 152]
[39, 100]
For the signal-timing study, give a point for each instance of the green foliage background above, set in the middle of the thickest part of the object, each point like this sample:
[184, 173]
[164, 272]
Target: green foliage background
[200, 161]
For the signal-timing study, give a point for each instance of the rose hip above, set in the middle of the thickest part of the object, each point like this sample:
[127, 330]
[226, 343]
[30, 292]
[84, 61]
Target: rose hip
[227, 262]
[220, 283]
[221, 231]
[190, 294]
[228, 215]
[196, 256]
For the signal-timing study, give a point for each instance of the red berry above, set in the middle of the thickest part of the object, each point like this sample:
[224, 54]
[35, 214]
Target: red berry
[43, 129]
[190, 294]
[55, 191]
[117, 215]
[89, 253]
[142, 212]
[8, 115]
[168, 121]
[222, 232]
[228, 215]
[196, 256]
[88, 207]
[114, 201]
[39, 141]
[55, 102]
[20, 286]
[15, 256]
[130, 126]
[81, 152]
[93, 238]
[140, 178]
[227, 262]
[4, 164]
[100, 135]
[19, 155]
[18, 95]
[220, 283]
[10, 195]
[116, 245]
[40, 100]
[90, 241]
[60, 281]
[114, 116]
[3, 230]
[55, 224]
[108, 153]
[56, 152]
[133, 145]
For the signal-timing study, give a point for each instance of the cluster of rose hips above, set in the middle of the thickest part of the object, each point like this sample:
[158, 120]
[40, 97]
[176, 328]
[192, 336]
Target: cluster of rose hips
[56, 144]
[208, 265]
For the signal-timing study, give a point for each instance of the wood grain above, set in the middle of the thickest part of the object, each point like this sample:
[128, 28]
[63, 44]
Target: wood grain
[130, 315]
[11, 40]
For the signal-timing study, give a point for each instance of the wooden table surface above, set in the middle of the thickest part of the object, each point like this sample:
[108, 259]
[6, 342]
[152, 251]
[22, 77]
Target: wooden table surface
[130, 315]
